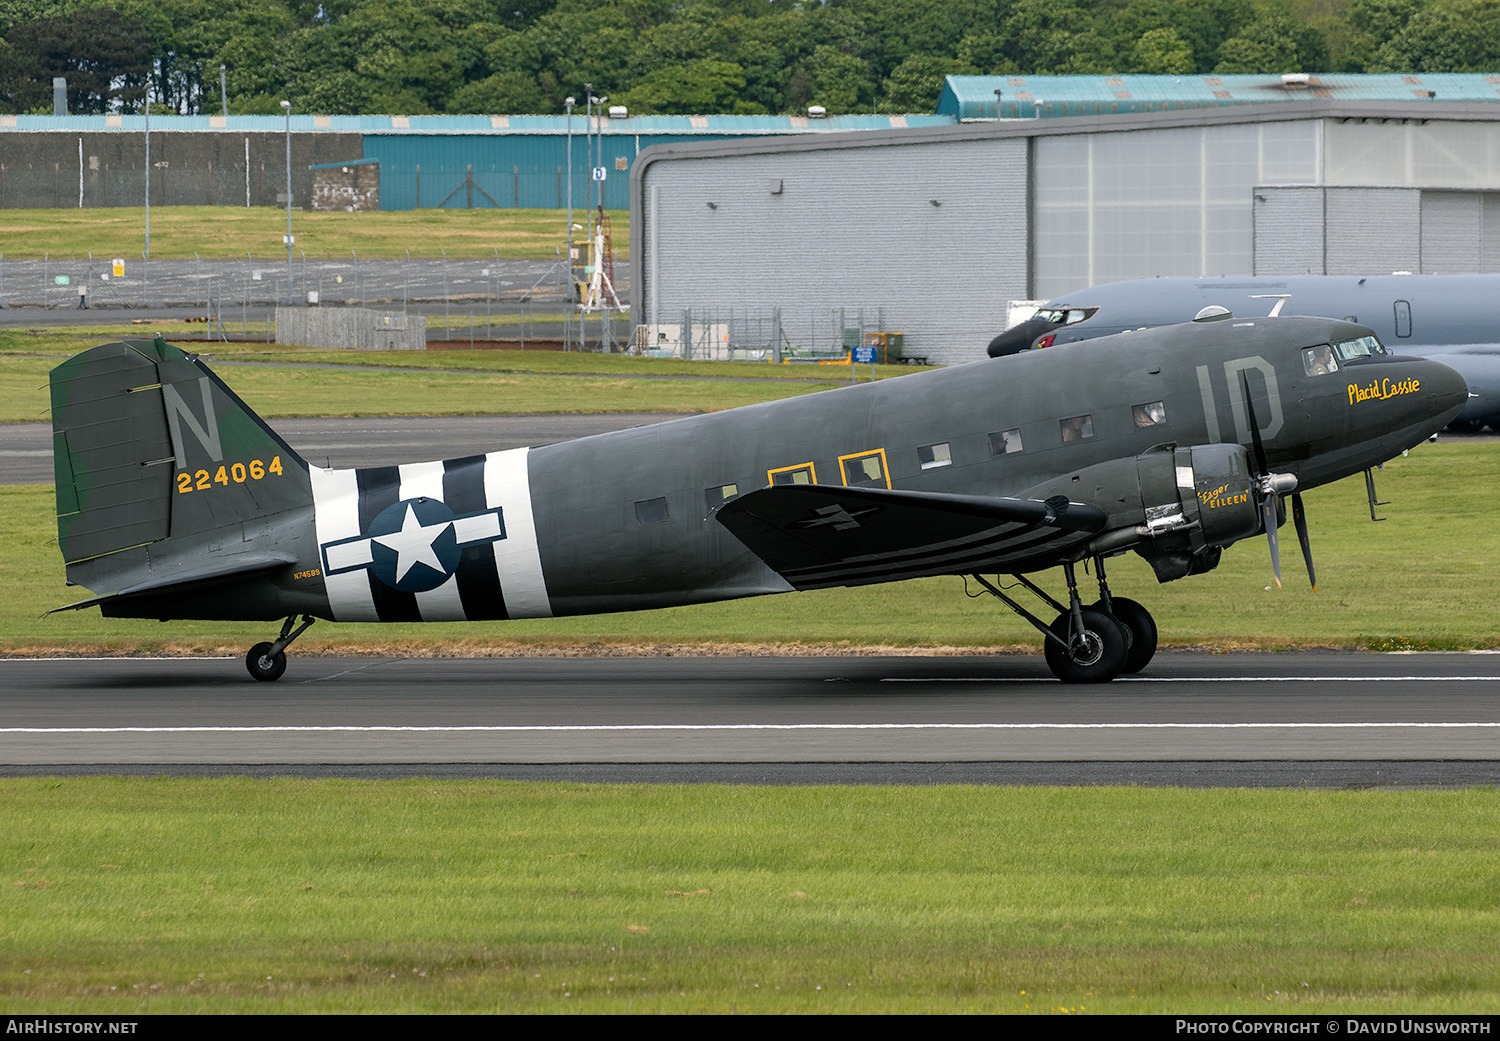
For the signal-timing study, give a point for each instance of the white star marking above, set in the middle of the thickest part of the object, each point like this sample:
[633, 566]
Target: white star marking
[413, 543]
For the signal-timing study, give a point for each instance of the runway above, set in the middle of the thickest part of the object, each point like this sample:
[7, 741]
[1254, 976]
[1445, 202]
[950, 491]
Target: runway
[1323, 719]
[26, 448]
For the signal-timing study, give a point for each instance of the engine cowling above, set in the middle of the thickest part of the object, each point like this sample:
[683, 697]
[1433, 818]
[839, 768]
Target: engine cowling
[1210, 504]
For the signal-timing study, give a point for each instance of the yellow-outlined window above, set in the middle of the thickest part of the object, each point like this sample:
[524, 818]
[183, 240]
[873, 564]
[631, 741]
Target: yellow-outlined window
[865, 469]
[802, 473]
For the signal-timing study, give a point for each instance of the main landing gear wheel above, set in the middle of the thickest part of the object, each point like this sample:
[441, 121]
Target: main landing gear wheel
[1140, 632]
[1094, 655]
[265, 663]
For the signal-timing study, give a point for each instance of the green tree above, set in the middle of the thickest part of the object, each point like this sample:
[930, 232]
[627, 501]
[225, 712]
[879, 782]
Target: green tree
[1445, 36]
[1161, 52]
[1057, 37]
[1272, 45]
[100, 51]
[501, 93]
[840, 82]
[915, 84]
[703, 86]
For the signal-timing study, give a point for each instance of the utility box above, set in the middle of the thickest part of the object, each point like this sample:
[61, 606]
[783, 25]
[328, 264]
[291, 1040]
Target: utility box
[887, 346]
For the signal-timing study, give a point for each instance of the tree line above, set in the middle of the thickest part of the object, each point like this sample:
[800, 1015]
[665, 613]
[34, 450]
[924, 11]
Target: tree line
[409, 57]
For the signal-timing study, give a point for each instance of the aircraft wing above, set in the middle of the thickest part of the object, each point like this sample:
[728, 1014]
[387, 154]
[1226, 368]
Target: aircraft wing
[822, 535]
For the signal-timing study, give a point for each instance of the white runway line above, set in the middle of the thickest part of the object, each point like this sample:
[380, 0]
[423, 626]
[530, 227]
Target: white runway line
[659, 727]
[111, 657]
[1201, 679]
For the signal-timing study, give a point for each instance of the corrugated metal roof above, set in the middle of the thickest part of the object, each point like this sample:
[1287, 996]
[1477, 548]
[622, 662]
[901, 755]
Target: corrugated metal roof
[714, 126]
[973, 97]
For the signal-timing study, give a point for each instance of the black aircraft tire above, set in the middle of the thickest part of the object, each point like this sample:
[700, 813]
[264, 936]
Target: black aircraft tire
[1140, 632]
[1102, 656]
[263, 665]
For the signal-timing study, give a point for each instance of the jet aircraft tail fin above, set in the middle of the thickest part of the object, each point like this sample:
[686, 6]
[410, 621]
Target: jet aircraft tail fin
[161, 470]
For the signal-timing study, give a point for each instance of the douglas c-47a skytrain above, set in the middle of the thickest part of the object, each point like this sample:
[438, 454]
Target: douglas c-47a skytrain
[175, 501]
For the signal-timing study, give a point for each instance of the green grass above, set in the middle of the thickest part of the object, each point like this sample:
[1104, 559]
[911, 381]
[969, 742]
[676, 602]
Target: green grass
[1417, 580]
[135, 896]
[281, 391]
[63, 343]
[177, 232]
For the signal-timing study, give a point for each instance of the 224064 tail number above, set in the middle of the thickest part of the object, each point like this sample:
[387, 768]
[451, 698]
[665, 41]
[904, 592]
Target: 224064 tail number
[237, 473]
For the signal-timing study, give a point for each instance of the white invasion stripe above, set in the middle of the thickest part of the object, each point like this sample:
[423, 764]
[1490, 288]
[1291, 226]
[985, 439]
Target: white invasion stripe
[472, 529]
[336, 516]
[419, 479]
[1204, 679]
[701, 727]
[442, 604]
[507, 484]
[348, 554]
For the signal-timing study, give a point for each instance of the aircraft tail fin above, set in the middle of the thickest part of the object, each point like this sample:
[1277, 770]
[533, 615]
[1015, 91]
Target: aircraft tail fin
[160, 467]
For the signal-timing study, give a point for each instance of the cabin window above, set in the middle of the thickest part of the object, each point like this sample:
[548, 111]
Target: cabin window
[1363, 347]
[933, 456]
[1065, 315]
[865, 469]
[1077, 428]
[1319, 360]
[1151, 414]
[719, 494]
[802, 473]
[651, 511]
[1004, 442]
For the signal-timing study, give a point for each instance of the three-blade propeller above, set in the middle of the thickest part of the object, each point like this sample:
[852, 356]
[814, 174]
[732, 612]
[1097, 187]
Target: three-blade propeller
[1271, 487]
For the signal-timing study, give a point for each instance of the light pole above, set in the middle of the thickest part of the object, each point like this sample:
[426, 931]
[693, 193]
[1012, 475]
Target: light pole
[569, 103]
[287, 106]
[588, 147]
[147, 255]
[223, 90]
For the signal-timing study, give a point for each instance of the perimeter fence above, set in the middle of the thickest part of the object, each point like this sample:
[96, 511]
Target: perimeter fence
[462, 297]
[725, 333]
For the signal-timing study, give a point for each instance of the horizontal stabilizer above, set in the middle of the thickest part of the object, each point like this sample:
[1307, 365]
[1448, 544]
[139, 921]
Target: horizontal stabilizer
[240, 568]
[822, 535]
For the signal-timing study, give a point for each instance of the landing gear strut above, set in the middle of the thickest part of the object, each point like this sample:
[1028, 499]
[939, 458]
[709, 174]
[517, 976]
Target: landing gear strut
[267, 661]
[1139, 626]
[1091, 644]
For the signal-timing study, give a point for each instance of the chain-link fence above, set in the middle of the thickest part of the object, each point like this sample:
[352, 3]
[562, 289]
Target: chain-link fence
[464, 298]
[760, 334]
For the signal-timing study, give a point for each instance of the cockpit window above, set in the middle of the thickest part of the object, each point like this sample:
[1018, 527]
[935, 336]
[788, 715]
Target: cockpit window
[1319, 360]
[1363, 347]
[1065, 315]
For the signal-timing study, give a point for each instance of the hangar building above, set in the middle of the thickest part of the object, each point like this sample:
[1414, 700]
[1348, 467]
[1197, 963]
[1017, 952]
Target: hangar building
[936, 229]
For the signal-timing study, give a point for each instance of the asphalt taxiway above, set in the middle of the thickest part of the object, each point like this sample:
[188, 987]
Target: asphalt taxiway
[1319, 719]
[26, 448]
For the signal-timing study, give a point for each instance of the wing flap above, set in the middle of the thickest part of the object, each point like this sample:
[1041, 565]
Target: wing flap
[824, 535]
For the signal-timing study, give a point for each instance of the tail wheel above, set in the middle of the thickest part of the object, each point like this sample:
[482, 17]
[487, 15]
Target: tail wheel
[1094, 655]
[264, 665]
[1140, 632]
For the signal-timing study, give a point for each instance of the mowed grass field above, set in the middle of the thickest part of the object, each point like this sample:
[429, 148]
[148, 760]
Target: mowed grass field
[239, 895]
[177, 232]
[1419, 579]
[300, 388]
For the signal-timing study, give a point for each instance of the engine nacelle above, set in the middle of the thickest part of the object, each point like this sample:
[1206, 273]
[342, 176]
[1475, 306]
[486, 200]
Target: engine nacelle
[1177, 507]
[1211, 503]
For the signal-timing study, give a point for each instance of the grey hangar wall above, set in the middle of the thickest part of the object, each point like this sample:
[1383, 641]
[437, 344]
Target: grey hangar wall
[939, 228]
